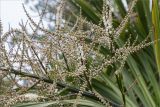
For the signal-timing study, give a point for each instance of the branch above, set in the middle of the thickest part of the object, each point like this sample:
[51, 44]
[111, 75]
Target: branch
[59, 84]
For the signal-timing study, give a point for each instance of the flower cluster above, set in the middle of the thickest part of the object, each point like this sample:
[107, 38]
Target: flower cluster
[70, 55]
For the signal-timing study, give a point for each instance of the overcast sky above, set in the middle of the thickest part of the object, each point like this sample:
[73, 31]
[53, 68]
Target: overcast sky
[11, 13]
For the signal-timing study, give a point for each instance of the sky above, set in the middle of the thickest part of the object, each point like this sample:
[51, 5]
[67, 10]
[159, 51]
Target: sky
[11, 13]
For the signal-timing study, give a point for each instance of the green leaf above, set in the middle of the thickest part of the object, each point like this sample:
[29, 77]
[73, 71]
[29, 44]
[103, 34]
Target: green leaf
[45, 104]
[88, 10]
[141, 83]
[156, 28]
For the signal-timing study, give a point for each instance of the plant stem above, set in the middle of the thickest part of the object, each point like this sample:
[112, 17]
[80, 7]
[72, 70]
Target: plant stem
[59, 84]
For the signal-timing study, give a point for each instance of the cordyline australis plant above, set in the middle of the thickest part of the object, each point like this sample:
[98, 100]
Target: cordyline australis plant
[58, 67]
